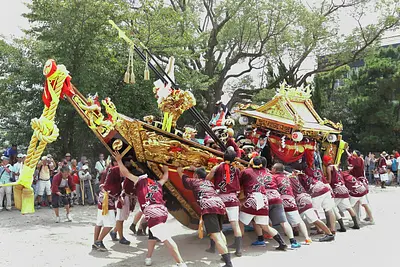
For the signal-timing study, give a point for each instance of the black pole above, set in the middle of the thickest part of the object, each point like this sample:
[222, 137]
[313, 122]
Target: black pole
[193, 111]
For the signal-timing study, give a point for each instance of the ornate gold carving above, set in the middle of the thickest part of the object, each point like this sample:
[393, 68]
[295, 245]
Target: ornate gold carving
[174, 102]
[246, 106]
[130, 130]
[279, 110]
[274, 126]
[148, 119]
[95, 119]
[165, 150]
[299, 94]
[154, 167]
[117, 144]
[338, 126]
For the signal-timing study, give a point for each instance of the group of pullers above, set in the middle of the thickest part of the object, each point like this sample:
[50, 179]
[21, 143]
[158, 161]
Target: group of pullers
[271, 197]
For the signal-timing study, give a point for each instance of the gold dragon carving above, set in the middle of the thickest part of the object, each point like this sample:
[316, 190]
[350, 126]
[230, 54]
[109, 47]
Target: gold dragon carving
[337, 126]
[95, 119]
[164, 150]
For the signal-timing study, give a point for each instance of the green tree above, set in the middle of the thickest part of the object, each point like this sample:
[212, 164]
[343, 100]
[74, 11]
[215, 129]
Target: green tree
[76, 34]
[367, 102]
[216, 42]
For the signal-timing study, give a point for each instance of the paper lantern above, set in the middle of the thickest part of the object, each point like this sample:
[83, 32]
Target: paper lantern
[297, 136]
[243, 120]
[332, 138]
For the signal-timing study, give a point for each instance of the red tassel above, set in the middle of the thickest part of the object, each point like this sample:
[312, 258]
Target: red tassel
[227, 173]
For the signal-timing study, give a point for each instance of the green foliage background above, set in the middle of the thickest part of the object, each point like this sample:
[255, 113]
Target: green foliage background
[217, 46]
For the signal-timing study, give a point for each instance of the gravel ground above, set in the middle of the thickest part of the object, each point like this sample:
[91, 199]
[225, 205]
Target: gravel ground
[36, 240]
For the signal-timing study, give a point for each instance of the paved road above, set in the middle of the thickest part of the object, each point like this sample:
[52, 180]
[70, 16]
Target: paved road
[35, 240]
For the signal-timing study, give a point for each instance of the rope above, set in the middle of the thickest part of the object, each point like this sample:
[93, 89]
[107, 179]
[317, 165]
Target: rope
[44, 129]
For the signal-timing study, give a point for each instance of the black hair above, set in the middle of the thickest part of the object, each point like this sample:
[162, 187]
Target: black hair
[13, 145]
[64, 169]
[257, 161]
[279, 168]
[288, 168]
[229, 155]
[357, 152]
[264, 162]
[201, 172]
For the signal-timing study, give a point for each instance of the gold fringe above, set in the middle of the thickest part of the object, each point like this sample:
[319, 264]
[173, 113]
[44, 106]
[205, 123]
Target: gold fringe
[104, 210]
[200, 231]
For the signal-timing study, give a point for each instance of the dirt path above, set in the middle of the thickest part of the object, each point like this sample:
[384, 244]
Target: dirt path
[35, 240]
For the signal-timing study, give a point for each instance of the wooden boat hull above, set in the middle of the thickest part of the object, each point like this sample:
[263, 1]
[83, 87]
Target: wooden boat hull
[152, 147]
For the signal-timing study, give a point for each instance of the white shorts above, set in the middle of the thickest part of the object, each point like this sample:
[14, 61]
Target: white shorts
[233, 213]
[342, 204]
[44, 186]
[310, 216]
[324, 201]
[106, 220]
[363, 200]
[123, 214]
[246, 218]
[161, 232]
[293, 217]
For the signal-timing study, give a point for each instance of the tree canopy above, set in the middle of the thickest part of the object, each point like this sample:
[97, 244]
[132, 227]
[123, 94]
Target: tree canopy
[218, 45]
[366, 101]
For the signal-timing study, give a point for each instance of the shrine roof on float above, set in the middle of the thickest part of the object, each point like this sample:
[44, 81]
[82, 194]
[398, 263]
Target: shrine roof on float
[292, 109]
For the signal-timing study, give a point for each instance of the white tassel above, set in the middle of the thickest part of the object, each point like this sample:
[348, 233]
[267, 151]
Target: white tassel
[283, 142]
[132, 79]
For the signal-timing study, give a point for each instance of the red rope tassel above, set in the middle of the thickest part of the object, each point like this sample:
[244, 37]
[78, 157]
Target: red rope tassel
[227, 173]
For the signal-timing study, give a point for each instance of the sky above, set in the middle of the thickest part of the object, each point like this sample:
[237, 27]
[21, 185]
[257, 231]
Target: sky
[12, 23]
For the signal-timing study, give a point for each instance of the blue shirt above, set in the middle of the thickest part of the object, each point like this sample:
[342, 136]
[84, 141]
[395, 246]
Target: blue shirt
[394, 165]
[5, 176]
[11, 152]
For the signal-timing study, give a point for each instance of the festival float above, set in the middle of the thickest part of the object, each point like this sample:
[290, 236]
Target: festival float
[290, 129]
[288, 124]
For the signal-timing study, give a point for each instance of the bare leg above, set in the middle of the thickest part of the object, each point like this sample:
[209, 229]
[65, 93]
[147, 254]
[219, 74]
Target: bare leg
[332, 219]
[303, 230]
[137, 217]
[369, 212]
[258, 230]
[67, 208]
[236, 228]
[351, 211]
[151, 244]
[241, 225]
[97, 230]
[219, 240]
[354, 217]
[173, 250]
[57, 212]
[119, 227]
[321, 225]
[49, 199]
[287, 229]
[104, 233]
[271, 231]
[39, 200]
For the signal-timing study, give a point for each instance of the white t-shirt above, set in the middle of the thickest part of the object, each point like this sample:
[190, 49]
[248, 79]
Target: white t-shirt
[17, 169]
[398, 163]
[100, 166]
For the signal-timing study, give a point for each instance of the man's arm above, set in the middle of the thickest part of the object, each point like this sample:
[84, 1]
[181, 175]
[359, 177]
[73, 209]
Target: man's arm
[329, 174]
[122, 169]
[164, 178]
[185, 179]
[211, 174]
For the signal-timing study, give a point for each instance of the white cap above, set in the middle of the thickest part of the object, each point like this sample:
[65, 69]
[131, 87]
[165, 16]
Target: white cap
[44, 158]
[20, 155]
[85, 167]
